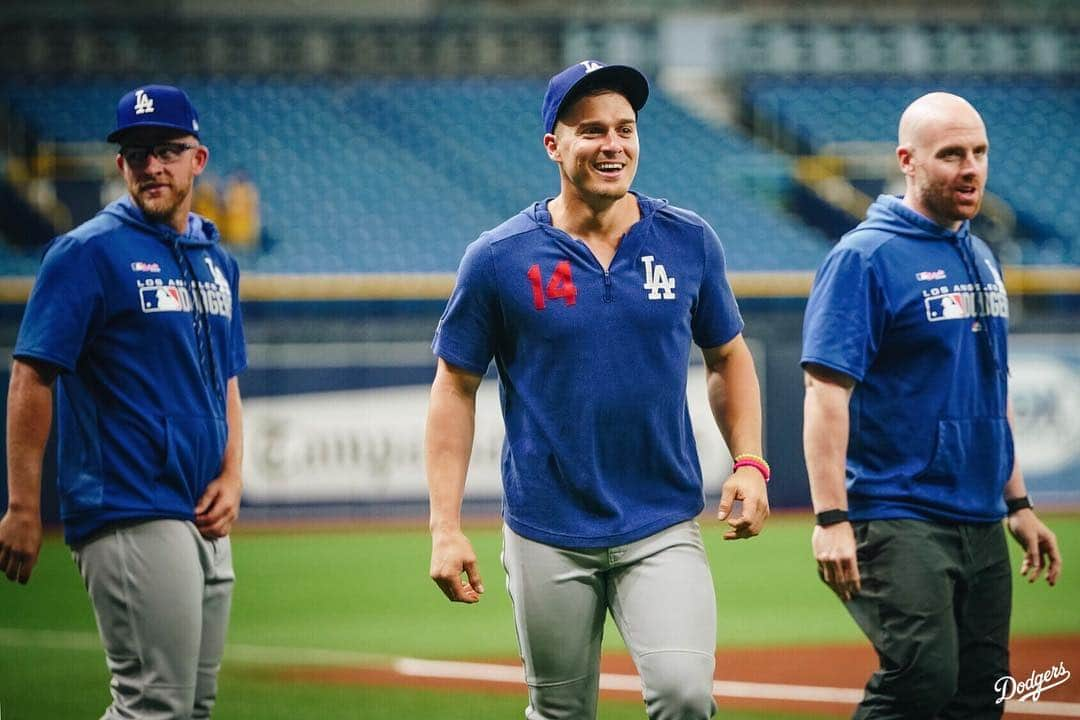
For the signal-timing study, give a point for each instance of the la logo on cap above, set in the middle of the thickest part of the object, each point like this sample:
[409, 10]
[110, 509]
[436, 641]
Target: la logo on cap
[591, 65]
[143, 103]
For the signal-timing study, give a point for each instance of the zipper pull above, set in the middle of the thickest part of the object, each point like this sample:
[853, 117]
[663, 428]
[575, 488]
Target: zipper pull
[607, 286]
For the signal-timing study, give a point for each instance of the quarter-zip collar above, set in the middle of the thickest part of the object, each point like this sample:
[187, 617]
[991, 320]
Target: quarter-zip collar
[629, 246]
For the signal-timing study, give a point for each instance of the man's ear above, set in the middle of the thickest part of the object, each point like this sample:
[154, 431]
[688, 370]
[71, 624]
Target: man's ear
[199, 158]
[905, 157]
[551, 144]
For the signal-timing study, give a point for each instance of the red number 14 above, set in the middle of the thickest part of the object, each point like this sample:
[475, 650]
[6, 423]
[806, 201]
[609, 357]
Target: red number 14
[561, 285]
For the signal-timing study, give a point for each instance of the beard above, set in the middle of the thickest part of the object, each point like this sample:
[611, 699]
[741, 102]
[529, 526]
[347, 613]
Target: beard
[941, 201]
[163, 208]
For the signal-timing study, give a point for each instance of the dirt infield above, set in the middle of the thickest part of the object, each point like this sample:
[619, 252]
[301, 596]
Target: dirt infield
[759, 675]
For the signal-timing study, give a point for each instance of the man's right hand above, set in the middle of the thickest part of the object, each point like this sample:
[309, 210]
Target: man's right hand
[451, 556]
[834, 550]
[20, 543]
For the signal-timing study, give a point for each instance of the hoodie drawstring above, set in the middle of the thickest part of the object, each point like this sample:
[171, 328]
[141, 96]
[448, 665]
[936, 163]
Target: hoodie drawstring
[200, 321]
[967, 256]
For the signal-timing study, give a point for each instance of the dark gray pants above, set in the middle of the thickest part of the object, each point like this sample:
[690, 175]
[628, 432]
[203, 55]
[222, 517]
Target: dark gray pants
[161, 595]
[935, 603]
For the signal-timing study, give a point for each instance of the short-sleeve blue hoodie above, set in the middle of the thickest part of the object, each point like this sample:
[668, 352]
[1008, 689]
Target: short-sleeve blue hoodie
[592, 368]
[918, 316]
[144, 325]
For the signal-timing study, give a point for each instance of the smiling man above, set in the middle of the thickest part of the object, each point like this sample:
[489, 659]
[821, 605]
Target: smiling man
[907, 431]
[134, 320]
[588, 302]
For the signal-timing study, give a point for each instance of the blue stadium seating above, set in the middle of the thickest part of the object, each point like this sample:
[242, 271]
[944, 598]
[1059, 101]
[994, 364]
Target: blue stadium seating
[1031, 122]
[398, 176]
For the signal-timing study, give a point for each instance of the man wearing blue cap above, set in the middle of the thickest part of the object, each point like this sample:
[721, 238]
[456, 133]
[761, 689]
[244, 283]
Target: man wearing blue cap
[588, 303]
[134, 320]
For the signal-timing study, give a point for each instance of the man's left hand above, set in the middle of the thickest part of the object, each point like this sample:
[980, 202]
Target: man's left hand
[1039, 543]
[219, 506]
[745, 484]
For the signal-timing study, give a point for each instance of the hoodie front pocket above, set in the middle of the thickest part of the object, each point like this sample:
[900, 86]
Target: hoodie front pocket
[979, 448]
[195, 449]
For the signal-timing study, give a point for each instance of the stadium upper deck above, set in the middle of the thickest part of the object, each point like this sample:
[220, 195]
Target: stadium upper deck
[399, 175]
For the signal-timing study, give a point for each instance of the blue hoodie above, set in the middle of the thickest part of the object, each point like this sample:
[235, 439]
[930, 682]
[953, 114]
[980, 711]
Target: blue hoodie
[918, 316]
[592, 367]
[144, 326]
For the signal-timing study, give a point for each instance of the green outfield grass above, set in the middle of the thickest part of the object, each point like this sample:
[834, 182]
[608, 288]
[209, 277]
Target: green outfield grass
[365, 595]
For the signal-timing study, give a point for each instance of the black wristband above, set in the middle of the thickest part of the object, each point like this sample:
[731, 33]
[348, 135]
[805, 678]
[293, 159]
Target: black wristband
[831, 517]
[1017, 504]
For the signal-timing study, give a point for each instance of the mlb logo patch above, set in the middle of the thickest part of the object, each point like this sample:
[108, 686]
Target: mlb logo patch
[930, 275]
[945, 307]
[163, 298]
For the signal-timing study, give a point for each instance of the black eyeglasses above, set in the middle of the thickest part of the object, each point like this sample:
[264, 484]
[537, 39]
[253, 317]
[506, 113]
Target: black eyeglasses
[167, 153]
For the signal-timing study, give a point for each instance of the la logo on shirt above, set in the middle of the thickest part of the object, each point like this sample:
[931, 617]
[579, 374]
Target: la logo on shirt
[657, 282]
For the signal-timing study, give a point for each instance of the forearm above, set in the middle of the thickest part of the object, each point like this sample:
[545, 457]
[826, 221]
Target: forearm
[29, 417]
[735, 398]
[447, 448]
[1015, 487]
[825, 440]
[234, 447]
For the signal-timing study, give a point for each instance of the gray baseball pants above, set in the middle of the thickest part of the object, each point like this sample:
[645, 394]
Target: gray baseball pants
[660, 594]
[161, 594]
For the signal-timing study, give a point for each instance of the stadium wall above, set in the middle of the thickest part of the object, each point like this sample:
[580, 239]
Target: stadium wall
[336, 392]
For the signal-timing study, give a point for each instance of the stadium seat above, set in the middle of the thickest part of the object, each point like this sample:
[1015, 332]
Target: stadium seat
[400, 175]
[1031, 123]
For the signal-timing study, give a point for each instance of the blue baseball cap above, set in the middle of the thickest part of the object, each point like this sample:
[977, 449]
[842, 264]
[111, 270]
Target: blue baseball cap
[155, 106]
[587, 75]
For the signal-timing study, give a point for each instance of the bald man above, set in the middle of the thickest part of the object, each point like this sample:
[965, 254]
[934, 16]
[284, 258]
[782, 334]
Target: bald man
[908, 435]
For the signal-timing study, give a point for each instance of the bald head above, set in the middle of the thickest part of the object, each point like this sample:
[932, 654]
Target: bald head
[943, 154]
[933, 114]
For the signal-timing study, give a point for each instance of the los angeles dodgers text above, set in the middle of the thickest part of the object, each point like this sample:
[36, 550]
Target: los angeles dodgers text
[976, 299]
[216, 299]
